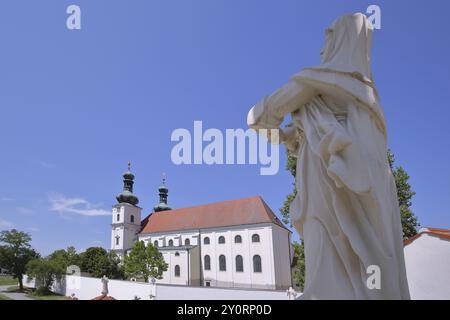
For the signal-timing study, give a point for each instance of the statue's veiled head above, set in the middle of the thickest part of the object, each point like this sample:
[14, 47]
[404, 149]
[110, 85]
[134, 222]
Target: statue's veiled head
[348, 45]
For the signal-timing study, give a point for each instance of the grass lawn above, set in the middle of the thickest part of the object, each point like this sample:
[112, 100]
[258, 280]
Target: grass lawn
[7, 280]
[31, 294]
[2, 297]
[53, 296]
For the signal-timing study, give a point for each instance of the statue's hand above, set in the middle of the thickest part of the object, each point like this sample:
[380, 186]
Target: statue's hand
[260, 118]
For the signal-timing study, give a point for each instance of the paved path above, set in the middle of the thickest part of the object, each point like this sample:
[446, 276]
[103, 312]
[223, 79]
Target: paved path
[13, 295]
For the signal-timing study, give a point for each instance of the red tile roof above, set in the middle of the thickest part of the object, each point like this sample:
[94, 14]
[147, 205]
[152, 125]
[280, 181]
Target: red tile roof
[220, 214]
[104, 297]
[438, 232]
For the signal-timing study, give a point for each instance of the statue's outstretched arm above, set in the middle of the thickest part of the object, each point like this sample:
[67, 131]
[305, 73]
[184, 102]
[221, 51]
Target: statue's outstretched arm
[270, 112]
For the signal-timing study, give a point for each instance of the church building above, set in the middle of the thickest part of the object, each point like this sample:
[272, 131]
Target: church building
[237, 243]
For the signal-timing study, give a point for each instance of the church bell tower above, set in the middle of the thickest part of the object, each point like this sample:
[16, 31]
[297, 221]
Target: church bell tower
[163, 194]
[126, 217]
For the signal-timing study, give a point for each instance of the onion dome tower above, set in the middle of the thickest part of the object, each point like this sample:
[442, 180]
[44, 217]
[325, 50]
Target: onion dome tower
[163, 193]
[127, 196]
[126, 217]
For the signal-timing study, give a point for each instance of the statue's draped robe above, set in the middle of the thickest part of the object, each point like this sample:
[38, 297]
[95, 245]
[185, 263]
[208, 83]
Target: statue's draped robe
[346, 209]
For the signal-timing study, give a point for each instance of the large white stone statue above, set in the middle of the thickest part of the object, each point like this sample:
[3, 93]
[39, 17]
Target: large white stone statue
[346, 209]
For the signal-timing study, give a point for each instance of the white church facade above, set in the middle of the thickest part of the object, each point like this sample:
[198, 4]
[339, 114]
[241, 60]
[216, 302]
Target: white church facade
[237, 243]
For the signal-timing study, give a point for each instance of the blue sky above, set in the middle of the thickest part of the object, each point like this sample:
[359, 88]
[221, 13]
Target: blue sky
[76, 106]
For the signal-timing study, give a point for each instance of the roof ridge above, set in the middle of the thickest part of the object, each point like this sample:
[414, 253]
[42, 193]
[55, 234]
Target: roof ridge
[431, 231]
[208, 204]
[272, 214]
[437, 229]
[235, 212]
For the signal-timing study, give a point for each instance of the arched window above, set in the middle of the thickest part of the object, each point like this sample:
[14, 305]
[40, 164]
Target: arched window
[238, 239]
[155, 243]
[170, 243]
[239, 264]
[221, 239]
[187, 242]
[117, 240]
[118, 217]
[177, 271]
[207, 262]
[255, 238]
[222, 263]
[132, 219]
[177, 254]
[206, 240]
[257, 263]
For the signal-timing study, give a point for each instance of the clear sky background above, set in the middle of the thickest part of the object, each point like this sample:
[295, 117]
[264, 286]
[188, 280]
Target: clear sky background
[76, 106]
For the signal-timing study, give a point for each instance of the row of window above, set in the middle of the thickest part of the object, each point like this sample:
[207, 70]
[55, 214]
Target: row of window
[131, 218]
[187, 242]
[257, 267]
[237, 239]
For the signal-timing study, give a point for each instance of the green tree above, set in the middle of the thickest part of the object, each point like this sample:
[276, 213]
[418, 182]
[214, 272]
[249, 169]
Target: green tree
[144, 262]
[66, 258]
[16, 252]
[298, 271]
[45, 272]
[291, 166]
[410, 223]
[116, 270]
[298, 274]
[98, 262]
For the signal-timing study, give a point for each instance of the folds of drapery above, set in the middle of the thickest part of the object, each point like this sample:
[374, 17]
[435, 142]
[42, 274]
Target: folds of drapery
[345, 183]
[343, 176]
[346, 192]
[333, 83]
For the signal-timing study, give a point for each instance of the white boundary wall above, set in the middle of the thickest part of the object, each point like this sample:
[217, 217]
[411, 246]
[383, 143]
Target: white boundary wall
[89, 288]
[427, 261]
